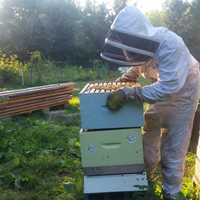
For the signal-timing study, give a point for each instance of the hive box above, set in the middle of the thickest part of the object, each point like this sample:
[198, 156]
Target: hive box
[95, 114]
[115, 183]
[112, 151]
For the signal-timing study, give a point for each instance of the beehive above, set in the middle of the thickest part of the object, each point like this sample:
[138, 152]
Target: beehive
[112, 151]
[95, 114]
[111, 142]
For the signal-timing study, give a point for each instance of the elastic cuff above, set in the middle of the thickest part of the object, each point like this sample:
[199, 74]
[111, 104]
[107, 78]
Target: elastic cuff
[145, 99]
[128, 91]
[133, 93]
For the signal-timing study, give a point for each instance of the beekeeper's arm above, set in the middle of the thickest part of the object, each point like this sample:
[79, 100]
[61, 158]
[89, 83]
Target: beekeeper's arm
[174, 65]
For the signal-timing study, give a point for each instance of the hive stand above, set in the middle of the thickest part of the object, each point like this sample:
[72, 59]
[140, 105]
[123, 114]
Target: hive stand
[110, 196]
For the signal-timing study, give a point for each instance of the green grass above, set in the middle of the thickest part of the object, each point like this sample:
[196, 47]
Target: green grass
[36, 156]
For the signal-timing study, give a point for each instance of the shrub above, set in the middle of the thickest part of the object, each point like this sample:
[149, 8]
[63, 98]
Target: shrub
[11, 68]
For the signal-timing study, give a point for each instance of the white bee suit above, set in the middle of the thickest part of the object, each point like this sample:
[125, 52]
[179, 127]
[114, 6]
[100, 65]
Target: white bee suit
[174, 97]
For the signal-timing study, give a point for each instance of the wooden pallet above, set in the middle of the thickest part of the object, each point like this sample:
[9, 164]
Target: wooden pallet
[16, 102]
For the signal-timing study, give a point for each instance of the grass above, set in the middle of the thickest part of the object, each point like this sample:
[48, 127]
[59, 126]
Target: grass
[37, 156]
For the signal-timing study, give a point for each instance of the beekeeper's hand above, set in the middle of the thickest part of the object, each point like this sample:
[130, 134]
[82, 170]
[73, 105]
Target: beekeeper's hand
[133, 94]
[131, 75]
[116, 100]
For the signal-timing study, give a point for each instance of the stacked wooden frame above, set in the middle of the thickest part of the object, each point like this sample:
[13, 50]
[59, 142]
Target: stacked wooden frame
[16, 102]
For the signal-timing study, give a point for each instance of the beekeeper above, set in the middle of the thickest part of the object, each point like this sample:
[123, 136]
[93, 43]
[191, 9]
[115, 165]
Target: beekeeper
[173, 95]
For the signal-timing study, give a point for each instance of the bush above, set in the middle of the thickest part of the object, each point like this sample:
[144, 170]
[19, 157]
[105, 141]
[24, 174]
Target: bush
[40, 71]
[11, 69]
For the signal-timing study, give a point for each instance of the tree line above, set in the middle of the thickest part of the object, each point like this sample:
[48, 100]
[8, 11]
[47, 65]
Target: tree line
[65, 31]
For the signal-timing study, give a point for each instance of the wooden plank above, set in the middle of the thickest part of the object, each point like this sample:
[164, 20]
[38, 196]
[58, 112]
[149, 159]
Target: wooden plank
[29, 110]
[15, 102]
[34, 104]
[40, 93]
[35, 89]
[30, 99]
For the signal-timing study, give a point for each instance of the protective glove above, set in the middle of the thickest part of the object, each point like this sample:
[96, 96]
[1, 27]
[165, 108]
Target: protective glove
[131, 75]
[133, 94]
[116, 100]
[126, 79]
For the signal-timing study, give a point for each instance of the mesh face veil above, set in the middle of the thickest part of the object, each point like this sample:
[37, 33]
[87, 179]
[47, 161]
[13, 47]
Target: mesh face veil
[127, 50]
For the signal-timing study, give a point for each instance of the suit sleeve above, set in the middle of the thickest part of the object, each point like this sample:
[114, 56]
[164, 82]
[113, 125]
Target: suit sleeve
[174, 62]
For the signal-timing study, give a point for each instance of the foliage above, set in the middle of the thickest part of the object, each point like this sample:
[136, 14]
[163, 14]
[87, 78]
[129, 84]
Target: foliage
[10, 67]
[61, 30]
[183, 18]
[157, 18]
[11, 63]
[48, 72]
[36, 157]
[75, 102]
[119, 4]
[74, 105]
[66, 31]
[40, 71]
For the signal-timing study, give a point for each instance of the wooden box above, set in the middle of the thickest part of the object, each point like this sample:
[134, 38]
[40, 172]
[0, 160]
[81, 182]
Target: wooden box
[115, 183]
[95, 114]
[112, 151]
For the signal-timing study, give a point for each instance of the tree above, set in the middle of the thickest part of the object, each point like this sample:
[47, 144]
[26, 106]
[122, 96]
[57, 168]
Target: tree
[119, 5]
[47, 26]
[157, 18]
[183, 18]
[95, 24]
[62, 30]
[194, 34]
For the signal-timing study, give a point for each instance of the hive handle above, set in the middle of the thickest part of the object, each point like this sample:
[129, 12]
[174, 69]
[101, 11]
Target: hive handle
[111, 145]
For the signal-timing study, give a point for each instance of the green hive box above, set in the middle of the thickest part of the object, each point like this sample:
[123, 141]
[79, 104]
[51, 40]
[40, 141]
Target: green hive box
[112, 151]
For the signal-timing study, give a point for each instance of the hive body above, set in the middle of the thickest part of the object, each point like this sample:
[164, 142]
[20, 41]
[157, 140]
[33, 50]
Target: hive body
[111, 142]
[115, 183]
[95, 114]
[105, 152]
